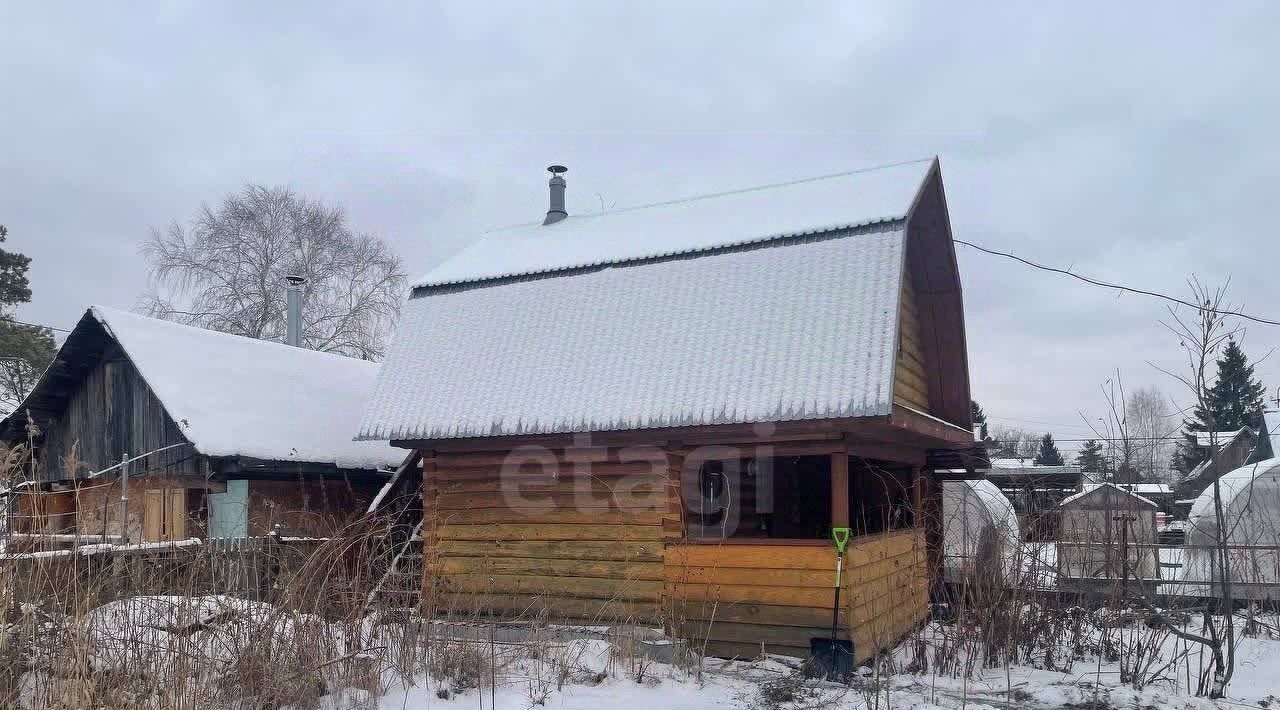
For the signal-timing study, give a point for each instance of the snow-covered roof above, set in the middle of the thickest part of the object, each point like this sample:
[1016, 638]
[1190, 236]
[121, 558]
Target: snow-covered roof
[757, 335]
[237, 396]
[1143, 489]
[1217, 438]
[1090, 490]
[777, 309]
[808, 206]
[1028, 466]
[1271, 425]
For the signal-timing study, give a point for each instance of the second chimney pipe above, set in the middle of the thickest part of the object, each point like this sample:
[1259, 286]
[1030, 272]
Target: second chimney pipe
[556, 212]
[293, 310]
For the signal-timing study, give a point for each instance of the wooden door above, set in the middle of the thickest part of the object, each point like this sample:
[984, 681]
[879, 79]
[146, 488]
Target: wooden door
[164, 514]
[175, 514]
[153, 515]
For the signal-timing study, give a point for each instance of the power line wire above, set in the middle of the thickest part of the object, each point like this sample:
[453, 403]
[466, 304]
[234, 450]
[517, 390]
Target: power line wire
[1118, 287]
[35, 325]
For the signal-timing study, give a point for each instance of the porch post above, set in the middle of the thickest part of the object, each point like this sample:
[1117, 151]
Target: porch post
[840, 488]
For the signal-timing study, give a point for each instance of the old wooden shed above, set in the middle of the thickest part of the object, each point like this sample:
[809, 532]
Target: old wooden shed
[658, 414]
[248, 435]
[1108, 536]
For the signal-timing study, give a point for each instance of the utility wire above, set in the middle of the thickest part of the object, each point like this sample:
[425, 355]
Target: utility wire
[34, 325]
[1118, 287]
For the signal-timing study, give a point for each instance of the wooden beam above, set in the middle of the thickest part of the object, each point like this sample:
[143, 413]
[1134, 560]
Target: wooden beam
[840, 489]
[886, 451]
[946, 434]
[729, 434]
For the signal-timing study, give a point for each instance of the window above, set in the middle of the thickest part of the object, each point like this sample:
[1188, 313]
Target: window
[879, 496]
[784, 497]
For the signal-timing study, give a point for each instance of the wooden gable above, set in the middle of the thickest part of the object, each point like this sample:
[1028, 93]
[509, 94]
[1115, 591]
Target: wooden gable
[932, 370]
[910, 383]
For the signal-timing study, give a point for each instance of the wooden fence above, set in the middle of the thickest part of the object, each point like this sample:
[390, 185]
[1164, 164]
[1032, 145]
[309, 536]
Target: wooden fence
[257, 568]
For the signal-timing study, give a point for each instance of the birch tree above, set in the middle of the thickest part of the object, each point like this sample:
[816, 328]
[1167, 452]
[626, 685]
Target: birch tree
[225, 269]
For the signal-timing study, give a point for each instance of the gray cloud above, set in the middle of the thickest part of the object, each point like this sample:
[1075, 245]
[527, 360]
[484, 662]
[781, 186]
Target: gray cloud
[1135, 142]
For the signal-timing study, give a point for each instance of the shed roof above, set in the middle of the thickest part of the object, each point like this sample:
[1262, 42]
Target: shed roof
[1024, 467]
[237, 396]
[1142, 489]
[1095, 489]
[1219, 438]
[770, 304]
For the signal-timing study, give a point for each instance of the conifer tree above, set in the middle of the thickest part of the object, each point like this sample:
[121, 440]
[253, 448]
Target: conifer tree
[1049, 454]
[979, 417]
[25, 351]
[1090, 458]
[1234, 401]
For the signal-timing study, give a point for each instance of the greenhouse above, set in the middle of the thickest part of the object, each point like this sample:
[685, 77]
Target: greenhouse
[980, 533]
[1250, 529]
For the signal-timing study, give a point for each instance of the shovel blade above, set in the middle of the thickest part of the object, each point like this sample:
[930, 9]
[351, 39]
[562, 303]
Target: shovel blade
[830, 660]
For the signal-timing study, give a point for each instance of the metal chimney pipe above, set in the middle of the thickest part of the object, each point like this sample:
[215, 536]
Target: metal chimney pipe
[293, 310]
[556, 211]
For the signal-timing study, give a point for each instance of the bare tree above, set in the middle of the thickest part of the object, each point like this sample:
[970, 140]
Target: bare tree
[1117, 433]
[1147, 412]
[1200, 336]
[1014, 442]
[225, 269]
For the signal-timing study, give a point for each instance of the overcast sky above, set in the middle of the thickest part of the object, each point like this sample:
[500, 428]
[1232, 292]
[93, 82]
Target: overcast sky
[1134, 142]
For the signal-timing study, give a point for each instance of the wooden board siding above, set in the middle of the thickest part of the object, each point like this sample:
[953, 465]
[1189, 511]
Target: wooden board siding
[546, 537]
[910, 383]
[736, 597]
[111, 413]
[51, 512]
[307, 507]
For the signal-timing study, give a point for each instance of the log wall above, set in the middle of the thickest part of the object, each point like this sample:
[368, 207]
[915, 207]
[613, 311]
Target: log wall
[735, 597]
[543, 537]
[910, 383]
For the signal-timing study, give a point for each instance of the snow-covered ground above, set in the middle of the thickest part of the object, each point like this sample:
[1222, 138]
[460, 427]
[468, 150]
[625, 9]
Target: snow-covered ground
[223, 653]
[750, 685]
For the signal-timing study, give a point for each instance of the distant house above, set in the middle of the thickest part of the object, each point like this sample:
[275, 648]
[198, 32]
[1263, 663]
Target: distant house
[1225, 451]
[228, 436]
[658, 414]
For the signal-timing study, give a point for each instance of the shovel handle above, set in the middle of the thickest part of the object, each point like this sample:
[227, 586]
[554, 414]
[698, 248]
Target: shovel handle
[841, 538]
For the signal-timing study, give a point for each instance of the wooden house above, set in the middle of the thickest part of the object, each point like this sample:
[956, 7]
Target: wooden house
[1224, 451]
[225, 436]
[1108, 537]
[658, 414]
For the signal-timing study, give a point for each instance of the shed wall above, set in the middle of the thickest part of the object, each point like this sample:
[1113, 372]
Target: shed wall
[111, 413]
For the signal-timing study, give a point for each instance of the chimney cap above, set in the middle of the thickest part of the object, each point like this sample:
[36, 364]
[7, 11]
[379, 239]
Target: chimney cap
[557, 169]
[295, 280]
